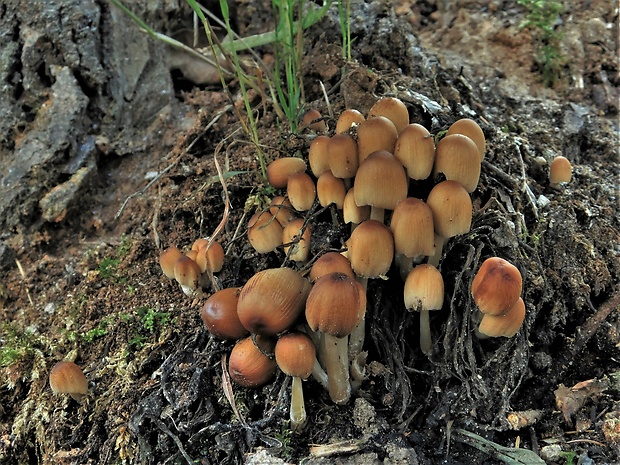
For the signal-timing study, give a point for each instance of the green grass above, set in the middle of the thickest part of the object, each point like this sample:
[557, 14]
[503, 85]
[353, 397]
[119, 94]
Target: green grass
[15, 343]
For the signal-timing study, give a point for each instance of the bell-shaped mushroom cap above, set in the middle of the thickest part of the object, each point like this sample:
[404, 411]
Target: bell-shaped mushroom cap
[299, 241]
[282, 209]
[413, 229]
[296, 354]
[497, 286]
[335, 305]
[559, 171]
[375, 134]
[314, 120]
[210, 257]
[272, 300]
[342, 156]
[347, 119]
[318, 156]
[219, 314]
[264, 232]
[331, 262]
[330, 190]
[452, 209]
[415, 149]
[393, 109]
[424, 288]
[351, 212]
[468, 127]
[248, 365]
[301, 191]
[371, 249]
[168, 259]
[457, 158]
[380, 181]
[68, 378]
[187, 273]
[506, 325]
[280, 169]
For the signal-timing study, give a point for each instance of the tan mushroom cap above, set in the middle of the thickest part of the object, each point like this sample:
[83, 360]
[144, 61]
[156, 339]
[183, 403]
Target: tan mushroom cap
[168, 259]
[248, 365]
[219, 314]
[457, 158]
[468, 127]
[318, 157]
[330, 190]
[415, 149]
[301, 191]
[342, 156]
[413, 228]
[497, 286]
[331, 262]
[378, 133]
[279, 170]
[393, 109]
[68, 378]
[452, 209]
[380, 181]
[296, 354]
[371, 249]
[353, 213]
[188, 274]
[264, 232]
[210, 257]
[299, 241]
[424, 288]
[560, 170]
[313, 119]
[506, 325]
[272, 300]
[282, 209]
[347, 119]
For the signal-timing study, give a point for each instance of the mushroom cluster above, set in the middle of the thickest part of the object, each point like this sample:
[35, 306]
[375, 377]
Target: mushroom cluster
[311, 320]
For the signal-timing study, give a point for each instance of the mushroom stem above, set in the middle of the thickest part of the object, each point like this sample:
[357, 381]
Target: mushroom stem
[425, 332]
[377, 213]
[357, 336]
[439, 243]
[319, 375]
[298, 407]
[337, 368]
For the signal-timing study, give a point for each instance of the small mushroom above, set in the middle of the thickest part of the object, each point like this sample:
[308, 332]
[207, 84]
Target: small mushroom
[314, 120]
[68, 378]
[497, 286]
[393, 109]
[188, 275]
[373, 134]
[347, 119]
[264, 232]
[219, 314]
[251, 366]
[279, 170]
[560, 171]
[457, 158]
[167, 259]
[506, 324]
[468, 127]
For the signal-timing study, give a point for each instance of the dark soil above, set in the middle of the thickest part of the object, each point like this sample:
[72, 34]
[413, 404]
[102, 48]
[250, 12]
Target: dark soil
[108, 158]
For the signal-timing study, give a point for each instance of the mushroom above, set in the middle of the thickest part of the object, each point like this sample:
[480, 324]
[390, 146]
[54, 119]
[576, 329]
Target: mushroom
[351, 212]
[280, 169]
[330, 190]
[559, 171]
[282, 209]
[380, 182]
[318, 156]
[188, 275]
[68, 378]
[393, 109]
[423, 293]
[342, 156]
[314, 120]
[468, 127]
[249, 364]
[506, 324]
[272, 300]
[347, 119]
[497, 286]
[296, 356]
[378, 133]
[415, 149]
[210, 256]
[335, 305]
[167, 260]
[219, 314]
[457, 158]
[264, 232]
[296, 239]
[331, 262]
[301, 191]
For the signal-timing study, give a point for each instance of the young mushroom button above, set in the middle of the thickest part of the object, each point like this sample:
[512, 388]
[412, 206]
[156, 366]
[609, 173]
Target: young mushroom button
[68, 378]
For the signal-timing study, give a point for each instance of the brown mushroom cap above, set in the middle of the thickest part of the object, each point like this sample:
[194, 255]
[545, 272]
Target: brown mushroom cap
[375, 134]
[299, 242]
[248, 365]
[424, 288]
[506, 325]
[351, 212]
[393, 109]
[188, 274]
[296, 354]
[210, 257]
[560, 170]
[452, 209]
[330, 190]
[457, 158]
[415, 149]
[413, 229]
[280, 169]
[331, 262]
[342, 156]
[371, 249]
[68, 378]
[272, 300]
[468, 127]
[301, 191]
[264, 232]
[380, 181]
[318, 157]
[335, 305]
[313, 120]
[347, 119]
[282, 209]
[168, 259]
[497, 286]
[219, 314]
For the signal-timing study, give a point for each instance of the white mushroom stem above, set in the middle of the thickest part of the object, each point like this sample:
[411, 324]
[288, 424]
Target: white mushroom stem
[357, 336]
[298, 407]
[377, 213]
[439, 243]
[425, 332]
[319, 375]
[336, 361]
[358, 370]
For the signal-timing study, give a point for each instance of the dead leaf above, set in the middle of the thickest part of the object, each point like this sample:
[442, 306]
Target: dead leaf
[570, 400]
